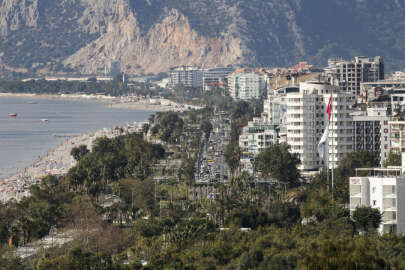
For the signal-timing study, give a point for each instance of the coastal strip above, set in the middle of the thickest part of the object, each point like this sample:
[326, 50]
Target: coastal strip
[123, 102]
[57, 161]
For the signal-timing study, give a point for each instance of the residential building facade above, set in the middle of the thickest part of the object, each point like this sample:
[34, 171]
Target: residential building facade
[186, 76]
[371, 132]
[385, 192]
[216, 77]
[397, 132]
[307, 120]
[350, 74]
[257, 136]
[246, 85]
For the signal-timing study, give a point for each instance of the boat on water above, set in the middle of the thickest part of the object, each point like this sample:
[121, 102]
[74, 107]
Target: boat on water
[32, 102]
[12, 114]
[44, 120]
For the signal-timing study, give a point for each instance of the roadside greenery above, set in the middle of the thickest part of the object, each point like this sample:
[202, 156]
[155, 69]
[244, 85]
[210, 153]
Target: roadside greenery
[278, 162]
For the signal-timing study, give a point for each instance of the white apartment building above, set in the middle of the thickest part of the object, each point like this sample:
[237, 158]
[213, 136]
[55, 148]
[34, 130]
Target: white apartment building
[257, 136]
[350, 74]
[307, 120]
[371, 131]
[186, 76]
[275, 106]
[246, 85]
[385, 190]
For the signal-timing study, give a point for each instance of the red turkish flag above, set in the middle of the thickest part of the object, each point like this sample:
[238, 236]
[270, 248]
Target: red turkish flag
[329, 109]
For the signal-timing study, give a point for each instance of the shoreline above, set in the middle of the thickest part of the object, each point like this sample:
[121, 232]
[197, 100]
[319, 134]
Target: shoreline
[56, 161]
[131, 102]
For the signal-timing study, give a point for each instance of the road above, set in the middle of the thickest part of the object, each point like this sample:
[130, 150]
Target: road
[211, 166]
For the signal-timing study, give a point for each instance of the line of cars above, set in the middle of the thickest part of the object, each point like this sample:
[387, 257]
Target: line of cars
[211, 165]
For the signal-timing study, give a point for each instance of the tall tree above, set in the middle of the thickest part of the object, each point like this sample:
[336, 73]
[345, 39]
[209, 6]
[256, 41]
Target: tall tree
[279, 163]
[347, 168]
[232, 156]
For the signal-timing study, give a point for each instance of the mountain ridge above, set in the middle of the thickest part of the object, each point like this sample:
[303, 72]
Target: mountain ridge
[149, 36]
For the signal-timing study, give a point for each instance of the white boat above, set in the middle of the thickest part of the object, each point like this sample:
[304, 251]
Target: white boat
[44, 120]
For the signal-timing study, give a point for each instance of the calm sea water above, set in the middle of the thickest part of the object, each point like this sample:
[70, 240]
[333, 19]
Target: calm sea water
[25, 137]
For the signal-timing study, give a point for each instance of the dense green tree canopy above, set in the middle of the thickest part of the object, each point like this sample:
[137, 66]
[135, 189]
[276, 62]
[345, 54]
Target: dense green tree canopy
[79, 152]
[278, 162]
[367, 218]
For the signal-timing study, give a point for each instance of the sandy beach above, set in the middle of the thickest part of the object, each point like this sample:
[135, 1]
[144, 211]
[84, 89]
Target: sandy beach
[152, 105]
[57, 161]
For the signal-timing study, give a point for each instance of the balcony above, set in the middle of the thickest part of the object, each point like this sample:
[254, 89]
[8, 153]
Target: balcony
[389, 195]
[293, 143]
[292, 135]
[355, 195]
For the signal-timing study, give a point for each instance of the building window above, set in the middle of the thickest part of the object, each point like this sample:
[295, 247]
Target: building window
[374, 202]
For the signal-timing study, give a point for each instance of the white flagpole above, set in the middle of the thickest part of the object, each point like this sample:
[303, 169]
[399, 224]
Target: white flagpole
[333, 147]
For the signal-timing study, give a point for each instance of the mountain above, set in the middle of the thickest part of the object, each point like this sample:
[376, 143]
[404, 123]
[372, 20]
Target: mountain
[149, 36]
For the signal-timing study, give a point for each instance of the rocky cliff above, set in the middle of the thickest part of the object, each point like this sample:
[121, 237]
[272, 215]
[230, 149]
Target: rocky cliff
[48, 36]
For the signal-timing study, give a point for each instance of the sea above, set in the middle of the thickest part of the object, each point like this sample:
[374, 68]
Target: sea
[25, 137]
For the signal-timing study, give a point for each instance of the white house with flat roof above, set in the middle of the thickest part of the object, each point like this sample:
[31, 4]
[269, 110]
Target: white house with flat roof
[384, 189]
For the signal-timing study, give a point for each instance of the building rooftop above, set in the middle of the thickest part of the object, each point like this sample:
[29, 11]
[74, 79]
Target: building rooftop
[391, 171]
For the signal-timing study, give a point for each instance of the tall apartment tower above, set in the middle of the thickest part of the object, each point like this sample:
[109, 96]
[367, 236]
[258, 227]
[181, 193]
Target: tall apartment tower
[306, 121]
[349, 74]
[371, 131]
[246, 85]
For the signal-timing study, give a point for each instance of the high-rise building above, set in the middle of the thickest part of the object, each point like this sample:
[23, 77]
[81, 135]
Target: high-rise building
[348, 75]
[307, 120]
[246, 85]
[186, 76]
[371, 131]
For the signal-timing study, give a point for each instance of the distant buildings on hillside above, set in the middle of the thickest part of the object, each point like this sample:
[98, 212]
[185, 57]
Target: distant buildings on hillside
[348, 75]
[241, 83]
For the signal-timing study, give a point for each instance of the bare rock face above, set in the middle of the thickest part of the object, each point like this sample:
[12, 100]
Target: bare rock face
[169, 43]
[15, 14]
[149, 36]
